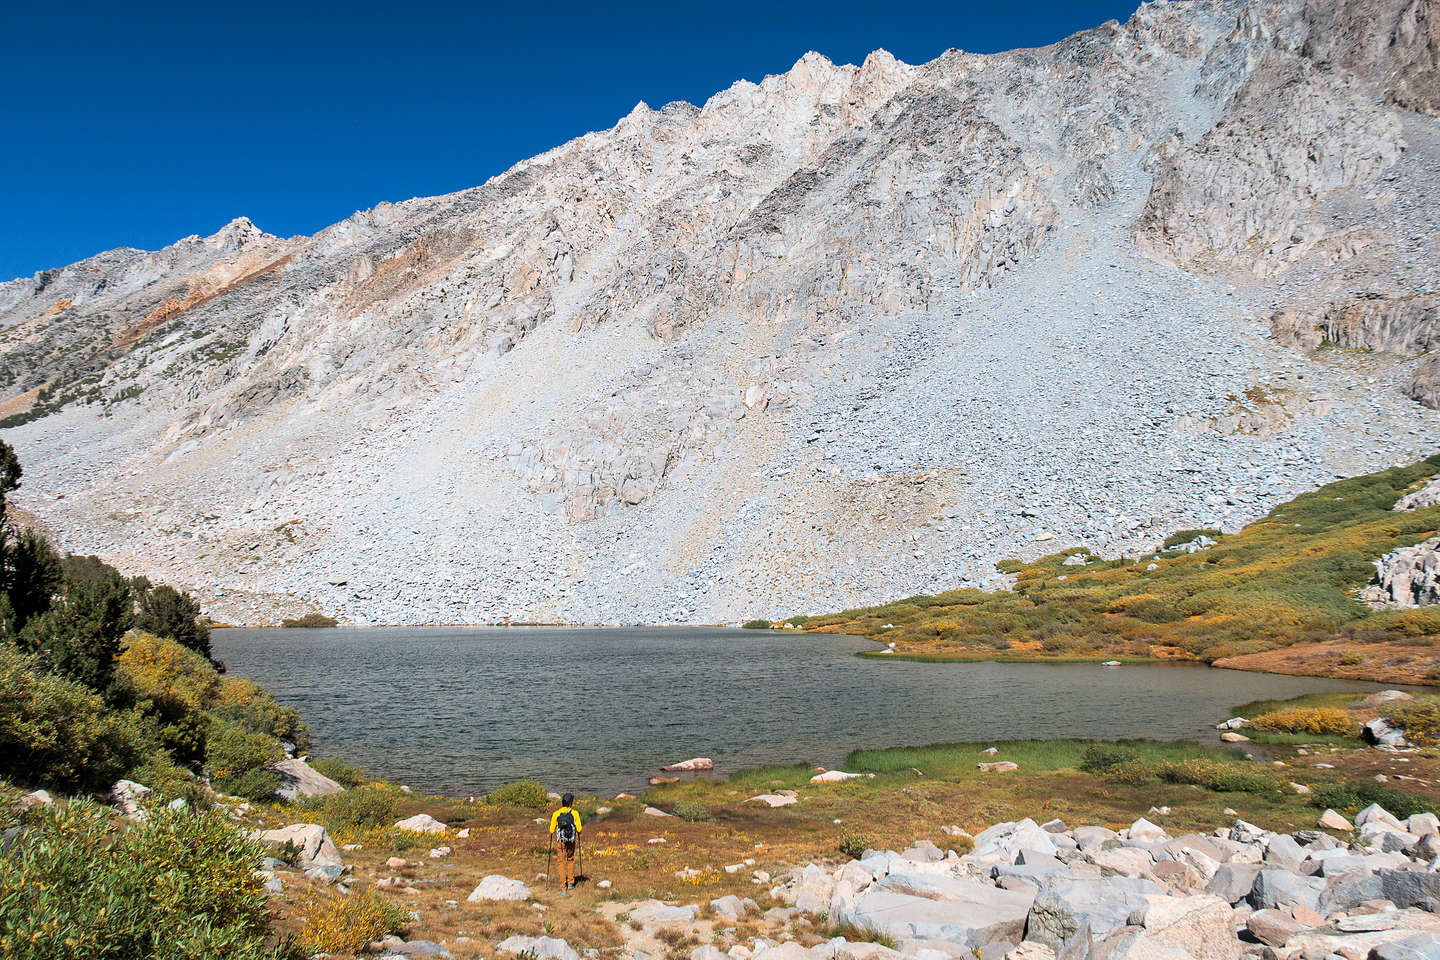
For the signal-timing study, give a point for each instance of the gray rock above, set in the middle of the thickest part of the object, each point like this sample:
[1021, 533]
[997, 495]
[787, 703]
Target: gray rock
[325, 874]
[1348, 891]
[1032, 871]
[1377, 814]
[315, 847]
[496, 887]
[299, 779]
[1092, 838]
[1425, 946]
[419, 948]
[1277, 887]
[1131, 943]
[1001, 842]
[653, 911]
[924, 854]
[963, 912]
[1064, 906]
[730, 907]
[544, 948]
[1407, 888]
[1284, 849]
[129, 796]
[1233, 882]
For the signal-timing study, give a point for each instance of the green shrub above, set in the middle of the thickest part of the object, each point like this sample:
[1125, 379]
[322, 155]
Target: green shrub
[172, 685]
[1101, 757]
[757, 625]
[522, 793]
[176, 887]
[248, 705]
[1132, 773]
[854, 844]
[310, 620]
[236, 757]
[79, 635]
[58, 733]
[256, 784]
[1217, 776]
[167, 612]
[370, 806]
[1350, 798]
[347, 775]
[693, 812]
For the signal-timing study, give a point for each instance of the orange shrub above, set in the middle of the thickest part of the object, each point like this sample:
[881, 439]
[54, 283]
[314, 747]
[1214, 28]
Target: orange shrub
[1319, 720]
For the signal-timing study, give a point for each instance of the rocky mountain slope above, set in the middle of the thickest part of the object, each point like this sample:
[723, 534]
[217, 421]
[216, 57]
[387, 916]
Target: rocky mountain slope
[847, 333]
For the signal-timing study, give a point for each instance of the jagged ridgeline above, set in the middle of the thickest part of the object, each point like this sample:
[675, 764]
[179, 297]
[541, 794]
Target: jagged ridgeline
[843, 334]
[1291, 592]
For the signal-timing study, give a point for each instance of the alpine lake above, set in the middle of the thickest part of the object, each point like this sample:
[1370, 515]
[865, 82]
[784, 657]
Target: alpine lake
[461, 710]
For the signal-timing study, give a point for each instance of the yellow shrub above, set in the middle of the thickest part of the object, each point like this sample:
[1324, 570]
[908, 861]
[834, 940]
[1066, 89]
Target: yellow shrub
[238, 692]
[1319, 720]
[343, 925]
[180, 679]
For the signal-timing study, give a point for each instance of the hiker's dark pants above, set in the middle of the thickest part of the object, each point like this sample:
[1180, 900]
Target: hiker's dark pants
[567, 862]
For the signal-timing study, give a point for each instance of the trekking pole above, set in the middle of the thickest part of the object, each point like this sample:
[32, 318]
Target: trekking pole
[580, 856]
[548, 853]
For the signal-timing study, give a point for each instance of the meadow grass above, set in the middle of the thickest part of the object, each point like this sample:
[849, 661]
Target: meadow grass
[1288, 578]
[958, 761]
[1255, 708]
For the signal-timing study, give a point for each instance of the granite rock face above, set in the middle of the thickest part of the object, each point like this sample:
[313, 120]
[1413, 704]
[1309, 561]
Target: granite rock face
[1409, 576]
[958, 310]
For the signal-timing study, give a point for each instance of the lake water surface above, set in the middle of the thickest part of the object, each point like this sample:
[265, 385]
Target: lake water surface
[461, 710]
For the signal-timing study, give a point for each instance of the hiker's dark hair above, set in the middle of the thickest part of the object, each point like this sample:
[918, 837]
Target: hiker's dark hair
[568, 799]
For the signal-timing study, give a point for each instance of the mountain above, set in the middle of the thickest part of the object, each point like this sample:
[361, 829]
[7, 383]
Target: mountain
[846, 334]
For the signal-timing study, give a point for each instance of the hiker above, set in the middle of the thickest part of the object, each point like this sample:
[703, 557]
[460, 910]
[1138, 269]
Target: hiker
[565, 827]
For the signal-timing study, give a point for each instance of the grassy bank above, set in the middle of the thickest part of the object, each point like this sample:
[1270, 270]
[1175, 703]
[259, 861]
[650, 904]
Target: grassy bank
[1287, 582]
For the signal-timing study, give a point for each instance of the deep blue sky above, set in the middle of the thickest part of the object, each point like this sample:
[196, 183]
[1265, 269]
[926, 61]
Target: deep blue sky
[137, 124]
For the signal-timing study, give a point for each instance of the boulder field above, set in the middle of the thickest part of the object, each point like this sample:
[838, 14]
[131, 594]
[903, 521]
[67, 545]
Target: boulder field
[1028, 891]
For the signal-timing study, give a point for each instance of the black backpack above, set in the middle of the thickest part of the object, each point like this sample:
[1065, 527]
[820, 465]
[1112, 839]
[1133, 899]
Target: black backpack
[565, 827]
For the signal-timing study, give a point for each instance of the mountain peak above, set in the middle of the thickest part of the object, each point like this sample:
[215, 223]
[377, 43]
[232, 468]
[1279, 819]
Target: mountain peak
[844, 334]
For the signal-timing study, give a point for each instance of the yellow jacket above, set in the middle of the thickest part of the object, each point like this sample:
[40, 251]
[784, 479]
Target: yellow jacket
[555, 817]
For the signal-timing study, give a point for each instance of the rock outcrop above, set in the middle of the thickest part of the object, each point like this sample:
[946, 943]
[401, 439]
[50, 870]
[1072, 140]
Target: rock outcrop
[1409, 576]
[1420, 499]
[1404, 325]
[1247, 194]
